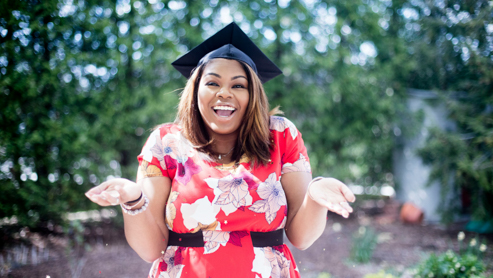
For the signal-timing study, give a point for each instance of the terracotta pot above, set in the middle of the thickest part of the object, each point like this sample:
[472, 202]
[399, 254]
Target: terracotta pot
[411, 214]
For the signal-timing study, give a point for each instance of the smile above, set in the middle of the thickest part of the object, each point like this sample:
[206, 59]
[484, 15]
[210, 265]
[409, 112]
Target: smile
[224, 111]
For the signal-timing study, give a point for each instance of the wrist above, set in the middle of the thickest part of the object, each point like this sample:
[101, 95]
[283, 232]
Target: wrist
[138, 207]
[310, 185]
[133, 202]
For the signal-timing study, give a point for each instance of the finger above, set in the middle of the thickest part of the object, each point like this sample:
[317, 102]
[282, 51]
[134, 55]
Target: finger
[93, 191]
[348, 194]
[100, 200]
[112, 196]
[346, 206]
[338, 209]
[98, 189]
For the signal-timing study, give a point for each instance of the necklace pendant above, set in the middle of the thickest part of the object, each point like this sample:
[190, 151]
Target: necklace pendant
[219, 157]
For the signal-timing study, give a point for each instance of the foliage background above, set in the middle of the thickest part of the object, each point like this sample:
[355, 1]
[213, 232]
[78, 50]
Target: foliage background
[83, 82]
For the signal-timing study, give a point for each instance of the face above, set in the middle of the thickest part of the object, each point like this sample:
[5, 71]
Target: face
[223, 96]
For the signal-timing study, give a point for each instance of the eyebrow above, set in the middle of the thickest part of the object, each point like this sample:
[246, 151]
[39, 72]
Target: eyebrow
[217, 75]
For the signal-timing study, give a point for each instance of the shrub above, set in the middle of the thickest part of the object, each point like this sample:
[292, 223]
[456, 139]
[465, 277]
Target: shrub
[324, 275]
[364, 242]
[452, 265]
[449, 264]
[380, 274]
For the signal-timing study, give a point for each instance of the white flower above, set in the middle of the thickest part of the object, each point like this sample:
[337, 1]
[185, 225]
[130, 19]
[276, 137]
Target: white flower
[300, 165]
[273, 198]
[201, 211]
[260, 263]
[482, 247]
[473, 242]
[281, 124]
[362, 230]
[461, 236]
[230, 193]
[154, 148]
[177, 147]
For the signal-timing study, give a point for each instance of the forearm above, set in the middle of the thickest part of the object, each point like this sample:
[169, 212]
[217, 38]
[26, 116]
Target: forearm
[307, 225]
[145, 236]
[146, 232]
[145, 229]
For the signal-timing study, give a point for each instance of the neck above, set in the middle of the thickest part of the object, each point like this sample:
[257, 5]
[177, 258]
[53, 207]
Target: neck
[223, 145]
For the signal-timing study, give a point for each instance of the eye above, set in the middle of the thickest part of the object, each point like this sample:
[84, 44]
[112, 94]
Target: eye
[211, 83]
[239, 86]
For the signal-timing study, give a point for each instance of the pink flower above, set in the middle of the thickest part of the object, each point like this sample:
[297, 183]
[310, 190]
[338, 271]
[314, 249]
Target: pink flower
[186, 171]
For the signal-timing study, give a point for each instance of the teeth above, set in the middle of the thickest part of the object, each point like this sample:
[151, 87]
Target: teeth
[224, 108]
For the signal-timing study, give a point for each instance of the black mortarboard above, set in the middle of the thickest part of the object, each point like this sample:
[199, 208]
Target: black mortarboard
[229, 43]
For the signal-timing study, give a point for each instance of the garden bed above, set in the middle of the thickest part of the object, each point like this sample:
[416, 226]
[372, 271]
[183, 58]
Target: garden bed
[400, 248]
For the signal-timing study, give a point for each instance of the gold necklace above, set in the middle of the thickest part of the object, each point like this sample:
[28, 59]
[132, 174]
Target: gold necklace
[230, 168]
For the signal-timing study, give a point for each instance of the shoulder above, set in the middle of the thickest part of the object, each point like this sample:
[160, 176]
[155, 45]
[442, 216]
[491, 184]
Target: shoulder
[282, 124]
[166, 128]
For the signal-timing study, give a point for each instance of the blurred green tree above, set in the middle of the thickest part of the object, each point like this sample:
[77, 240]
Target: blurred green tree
[452, 45]
[85, 81]
[81, 84]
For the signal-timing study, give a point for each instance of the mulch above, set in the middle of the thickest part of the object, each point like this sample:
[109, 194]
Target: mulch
[400, 247]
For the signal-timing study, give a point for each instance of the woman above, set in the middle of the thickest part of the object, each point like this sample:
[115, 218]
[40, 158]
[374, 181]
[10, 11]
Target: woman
[216, 189]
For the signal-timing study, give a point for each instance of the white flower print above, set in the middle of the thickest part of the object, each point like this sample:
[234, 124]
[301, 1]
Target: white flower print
[154, 148]
[173, 270]
[270, 263]
[213, 239]
[177, 147]
[273, 198]
[281, 124]
[283, 223]
[168, 266]
[201, 211]
[230, 193]
[300, 165]
[260, 264]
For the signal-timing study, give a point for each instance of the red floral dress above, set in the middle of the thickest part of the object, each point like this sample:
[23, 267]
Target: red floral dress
[226, 203]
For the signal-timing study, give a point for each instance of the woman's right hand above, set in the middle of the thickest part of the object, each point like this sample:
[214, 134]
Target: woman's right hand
[114, 192]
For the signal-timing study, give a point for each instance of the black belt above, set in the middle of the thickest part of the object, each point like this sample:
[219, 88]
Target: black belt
[259, 239]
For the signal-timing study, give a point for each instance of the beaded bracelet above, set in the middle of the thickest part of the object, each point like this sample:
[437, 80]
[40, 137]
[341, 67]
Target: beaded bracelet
[126, 209]
[310, 184]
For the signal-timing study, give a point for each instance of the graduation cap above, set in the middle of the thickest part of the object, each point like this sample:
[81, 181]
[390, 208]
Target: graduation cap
[228, 43]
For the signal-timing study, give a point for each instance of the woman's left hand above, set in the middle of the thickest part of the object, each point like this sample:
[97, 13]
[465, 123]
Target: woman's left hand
[332, 194]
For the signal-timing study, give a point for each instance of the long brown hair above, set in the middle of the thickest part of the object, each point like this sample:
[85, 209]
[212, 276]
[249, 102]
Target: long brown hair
[254, 137]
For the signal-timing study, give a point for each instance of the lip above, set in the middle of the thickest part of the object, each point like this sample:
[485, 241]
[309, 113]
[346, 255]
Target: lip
[226, 105]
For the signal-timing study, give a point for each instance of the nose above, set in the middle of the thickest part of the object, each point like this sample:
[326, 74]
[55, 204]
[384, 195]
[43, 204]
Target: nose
[224, 93]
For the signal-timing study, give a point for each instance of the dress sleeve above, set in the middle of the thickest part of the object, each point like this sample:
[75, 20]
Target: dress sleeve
[294, 157]
[152, 160]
